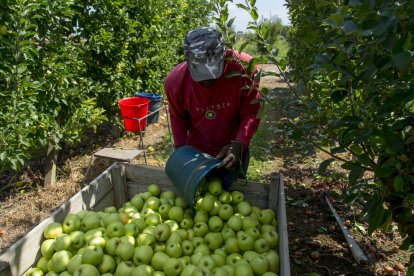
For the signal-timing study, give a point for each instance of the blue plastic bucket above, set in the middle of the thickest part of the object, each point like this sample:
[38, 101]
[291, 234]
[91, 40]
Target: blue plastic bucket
[155, 103]
[188, 166]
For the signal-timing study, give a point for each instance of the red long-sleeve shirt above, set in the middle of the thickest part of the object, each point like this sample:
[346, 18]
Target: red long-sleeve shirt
[208, 118]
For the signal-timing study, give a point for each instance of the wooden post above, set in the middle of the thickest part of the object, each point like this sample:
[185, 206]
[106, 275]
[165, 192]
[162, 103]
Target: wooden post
[118, 180]
[51, 160]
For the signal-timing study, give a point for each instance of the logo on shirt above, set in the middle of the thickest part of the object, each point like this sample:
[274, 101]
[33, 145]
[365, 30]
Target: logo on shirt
[210, 114]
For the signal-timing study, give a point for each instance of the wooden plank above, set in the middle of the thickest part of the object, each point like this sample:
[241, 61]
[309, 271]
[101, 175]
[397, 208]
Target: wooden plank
[118, 180]
[277, 190]
[24, 253]
[50, 171]
[117, 154]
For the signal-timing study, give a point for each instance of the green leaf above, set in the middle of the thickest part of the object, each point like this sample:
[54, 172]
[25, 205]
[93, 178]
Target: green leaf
[254, 14]
[338, 95]
[3, 156]
[376, 217]
[252, 3]
[324, 165]
[233, 74]
[398, 183]
[383, 172]
[402, 59]
[355, 174]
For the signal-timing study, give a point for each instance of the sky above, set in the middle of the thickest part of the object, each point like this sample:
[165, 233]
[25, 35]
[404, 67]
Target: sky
[266, 8]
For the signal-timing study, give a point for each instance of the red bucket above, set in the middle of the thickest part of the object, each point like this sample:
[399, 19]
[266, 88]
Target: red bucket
[134, 108]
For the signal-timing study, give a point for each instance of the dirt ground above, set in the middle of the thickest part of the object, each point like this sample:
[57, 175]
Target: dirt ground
[316, 243]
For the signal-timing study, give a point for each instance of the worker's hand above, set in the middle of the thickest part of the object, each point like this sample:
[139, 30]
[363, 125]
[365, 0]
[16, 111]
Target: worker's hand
[230, 155]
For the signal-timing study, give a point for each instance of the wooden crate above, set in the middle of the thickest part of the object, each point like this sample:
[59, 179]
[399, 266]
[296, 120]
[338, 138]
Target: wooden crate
[117, 185]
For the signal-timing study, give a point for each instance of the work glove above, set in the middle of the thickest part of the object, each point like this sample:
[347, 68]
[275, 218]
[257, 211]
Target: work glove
[230, 155]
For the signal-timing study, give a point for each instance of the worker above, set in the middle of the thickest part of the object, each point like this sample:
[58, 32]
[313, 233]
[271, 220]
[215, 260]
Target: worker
[213, 100]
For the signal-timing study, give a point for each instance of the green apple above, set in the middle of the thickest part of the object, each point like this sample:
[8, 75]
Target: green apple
[173, 224]
[207, 262]
[273, 260]
[34, 271]
[235, 223]
[236, 197]
[143, 270]
[86, 270]
[125, 251]
[138, 202]
[153, 219]
[153, 203]
[233, 258]
[74, 263]
[143, 255]
[145, 195]
[219, 271]
[107, 265]
[131, 229]
[188, 270]
[115, 229]
[229, 269]
[60, 260]
[216, 207]
[259, 264]
[174, 250]
[180, 202]
[145, 239]
[42, 263]
[154, 189]
[110, 218]
[159, 247]
[218, 259]
[214, 186]
[187, 223]
[98, 241]
[164, 209]
[203, 249]
[249, 255]
[246, 242]
[197, 241]
[158, 273]
[207, 203]
[266, 216]
[201, 216]
[53, 230]
[244, 208]
[225, 211]
[162, 232]
[225, 197]
[183, 234]
[92, 234]
[227, 232]
[213, 240]
[187, 247]
[261, 246]
[175, 237]
[195, 258]
[249, 222]
[90, 221]
[201, 271]
[271, 237]
[62, 242]
[220, 251]
[168, 195]
[124, 268]
[48, 248]
[188, 212]
[172, 267]
[92, 255]
[190, 234]
[71, 223]
[110, 209]
[200, 229]
[158, 260]
[254, 232]
[243, 269]
[111, 245]
[215, 224]
[176, 213]
[231, 245]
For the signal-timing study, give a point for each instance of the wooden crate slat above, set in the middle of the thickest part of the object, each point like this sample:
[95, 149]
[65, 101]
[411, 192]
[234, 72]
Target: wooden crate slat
[20, 256]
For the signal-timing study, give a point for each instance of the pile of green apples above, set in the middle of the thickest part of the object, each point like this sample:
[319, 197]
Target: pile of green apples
[157, 233]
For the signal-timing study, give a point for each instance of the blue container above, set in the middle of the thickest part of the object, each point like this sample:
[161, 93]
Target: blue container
[155, 103]
[187, 167]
